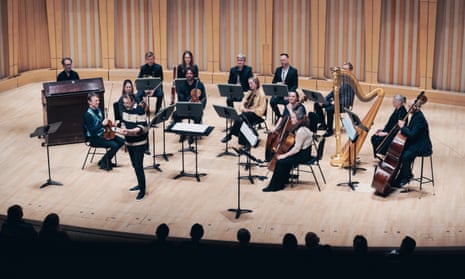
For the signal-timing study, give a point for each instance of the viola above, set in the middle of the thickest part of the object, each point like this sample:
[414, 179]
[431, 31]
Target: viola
[387, 169]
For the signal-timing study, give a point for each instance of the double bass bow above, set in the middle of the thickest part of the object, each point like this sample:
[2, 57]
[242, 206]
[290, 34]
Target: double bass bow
[387, 169]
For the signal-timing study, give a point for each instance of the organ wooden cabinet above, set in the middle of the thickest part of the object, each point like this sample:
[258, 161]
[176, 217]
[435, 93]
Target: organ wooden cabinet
[66, 101]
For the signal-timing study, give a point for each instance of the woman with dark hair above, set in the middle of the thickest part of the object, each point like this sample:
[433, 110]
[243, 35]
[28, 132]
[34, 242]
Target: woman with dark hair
[187, 62]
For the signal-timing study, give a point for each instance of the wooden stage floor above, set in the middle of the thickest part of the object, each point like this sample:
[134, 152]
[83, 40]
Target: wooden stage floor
[93, 198]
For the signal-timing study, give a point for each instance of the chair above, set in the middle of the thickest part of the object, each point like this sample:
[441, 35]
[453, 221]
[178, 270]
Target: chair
[258, 125]
[422, 179]
[93, 150]
[117, 112]
[314, 161]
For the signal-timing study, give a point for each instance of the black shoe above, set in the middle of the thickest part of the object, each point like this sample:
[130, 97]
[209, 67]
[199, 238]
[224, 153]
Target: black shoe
[190, 140]
[147, 152]
[105, 167]
[226, 138]
[140, 196]
[135, 188]
[269, 189]
[404, 181]
[328, 133]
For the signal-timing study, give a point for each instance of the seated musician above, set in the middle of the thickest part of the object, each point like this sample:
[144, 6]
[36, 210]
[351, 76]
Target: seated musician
[134, 128]
[239, 74]
[418, 143]
[294, 107]
[186, 91]
[93, 125]
[285, 74]
[187, 62]
[151, 69]
[380, 135]
[252, 110]
[67, 73]
[346, 100]
[298, 153]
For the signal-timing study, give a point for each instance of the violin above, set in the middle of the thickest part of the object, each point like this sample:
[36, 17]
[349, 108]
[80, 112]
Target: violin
[196, 93]
[108, 133]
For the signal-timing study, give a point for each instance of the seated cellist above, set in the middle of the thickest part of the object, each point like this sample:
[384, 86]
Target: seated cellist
[294, 107]
[298, 153]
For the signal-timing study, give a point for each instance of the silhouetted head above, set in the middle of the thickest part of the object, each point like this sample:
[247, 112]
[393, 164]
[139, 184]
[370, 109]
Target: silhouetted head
[289, 241]
[162, 231]
[196, 232]
[15, 214]
[360, 245]
[311, 240]
[243, 236]
[407, 246]
[51, 222]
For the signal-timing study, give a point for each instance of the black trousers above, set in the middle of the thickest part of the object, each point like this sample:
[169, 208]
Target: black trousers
[274, 101]
[136, 153]
[283, 168]
[113, 144]
[329, 115]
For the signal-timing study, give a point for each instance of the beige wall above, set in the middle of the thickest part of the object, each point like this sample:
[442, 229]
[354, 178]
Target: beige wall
[108, 38]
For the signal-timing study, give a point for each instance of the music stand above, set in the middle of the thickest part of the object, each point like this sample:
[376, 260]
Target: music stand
[147, 83]
[162, 116]
[229, 114]
[238, 210]
[189, 110]
[233, 91]
[252, 141]
[275, 90]
[352, 134]
[357, 123]
[44, 131]
[315, 96]
[178, 83]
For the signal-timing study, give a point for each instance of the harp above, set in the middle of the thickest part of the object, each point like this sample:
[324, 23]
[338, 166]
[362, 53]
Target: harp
[340, 76]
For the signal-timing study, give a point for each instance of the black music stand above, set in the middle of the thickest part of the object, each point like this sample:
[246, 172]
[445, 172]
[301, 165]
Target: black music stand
[189, 110]
[275, 90]
[162, 116]
[187, 132]
[229, 114]
[315, 96]
[147, 83]
[357, 123]
[238, 210]
[44, 131]
[252, 141]
[233, 91]
[353, 135]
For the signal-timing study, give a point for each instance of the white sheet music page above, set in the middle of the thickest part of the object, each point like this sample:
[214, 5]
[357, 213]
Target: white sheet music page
[248, 134]
[189, 127]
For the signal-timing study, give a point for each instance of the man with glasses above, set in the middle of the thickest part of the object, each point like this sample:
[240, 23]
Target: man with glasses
[67, 73]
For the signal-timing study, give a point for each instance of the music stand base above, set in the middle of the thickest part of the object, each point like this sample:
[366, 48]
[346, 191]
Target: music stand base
[226, 153]
[196, 175]
[50, 182]
[239, 211]
[351, 184]
[154, 166]
[164, 155]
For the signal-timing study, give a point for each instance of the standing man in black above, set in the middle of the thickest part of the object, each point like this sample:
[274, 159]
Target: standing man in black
[418, 143]
[151, 69]
[239, 74]
[67, 73]
[134, 128]
[93, 125]
[285, 74]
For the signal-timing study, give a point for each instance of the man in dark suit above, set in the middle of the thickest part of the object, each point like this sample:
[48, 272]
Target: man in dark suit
[418, 144]
[285, 74]
[239, 74]
[151, 69]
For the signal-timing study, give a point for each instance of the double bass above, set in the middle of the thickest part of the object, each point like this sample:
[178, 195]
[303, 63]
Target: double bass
[387, 169]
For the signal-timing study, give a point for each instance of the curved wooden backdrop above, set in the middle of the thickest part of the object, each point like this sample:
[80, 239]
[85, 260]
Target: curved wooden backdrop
[407, 45]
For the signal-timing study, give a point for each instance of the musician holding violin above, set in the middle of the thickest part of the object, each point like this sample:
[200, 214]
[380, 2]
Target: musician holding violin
[300, 138]
[252, 110]
[418, 143]
[98, 131]
[191, 90]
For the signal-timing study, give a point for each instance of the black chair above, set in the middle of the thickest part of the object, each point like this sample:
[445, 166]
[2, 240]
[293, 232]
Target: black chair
[93, 150]
[258, 125]
[117, 112]
[314, 161]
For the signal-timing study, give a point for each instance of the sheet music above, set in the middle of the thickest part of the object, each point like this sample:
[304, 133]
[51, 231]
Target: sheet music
[189, 127]
[349, 126]
[248, 134]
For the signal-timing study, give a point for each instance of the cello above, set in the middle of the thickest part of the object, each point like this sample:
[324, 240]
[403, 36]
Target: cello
[387, 169]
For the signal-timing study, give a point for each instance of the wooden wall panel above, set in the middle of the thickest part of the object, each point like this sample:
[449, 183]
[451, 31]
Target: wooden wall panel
[4, 42]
